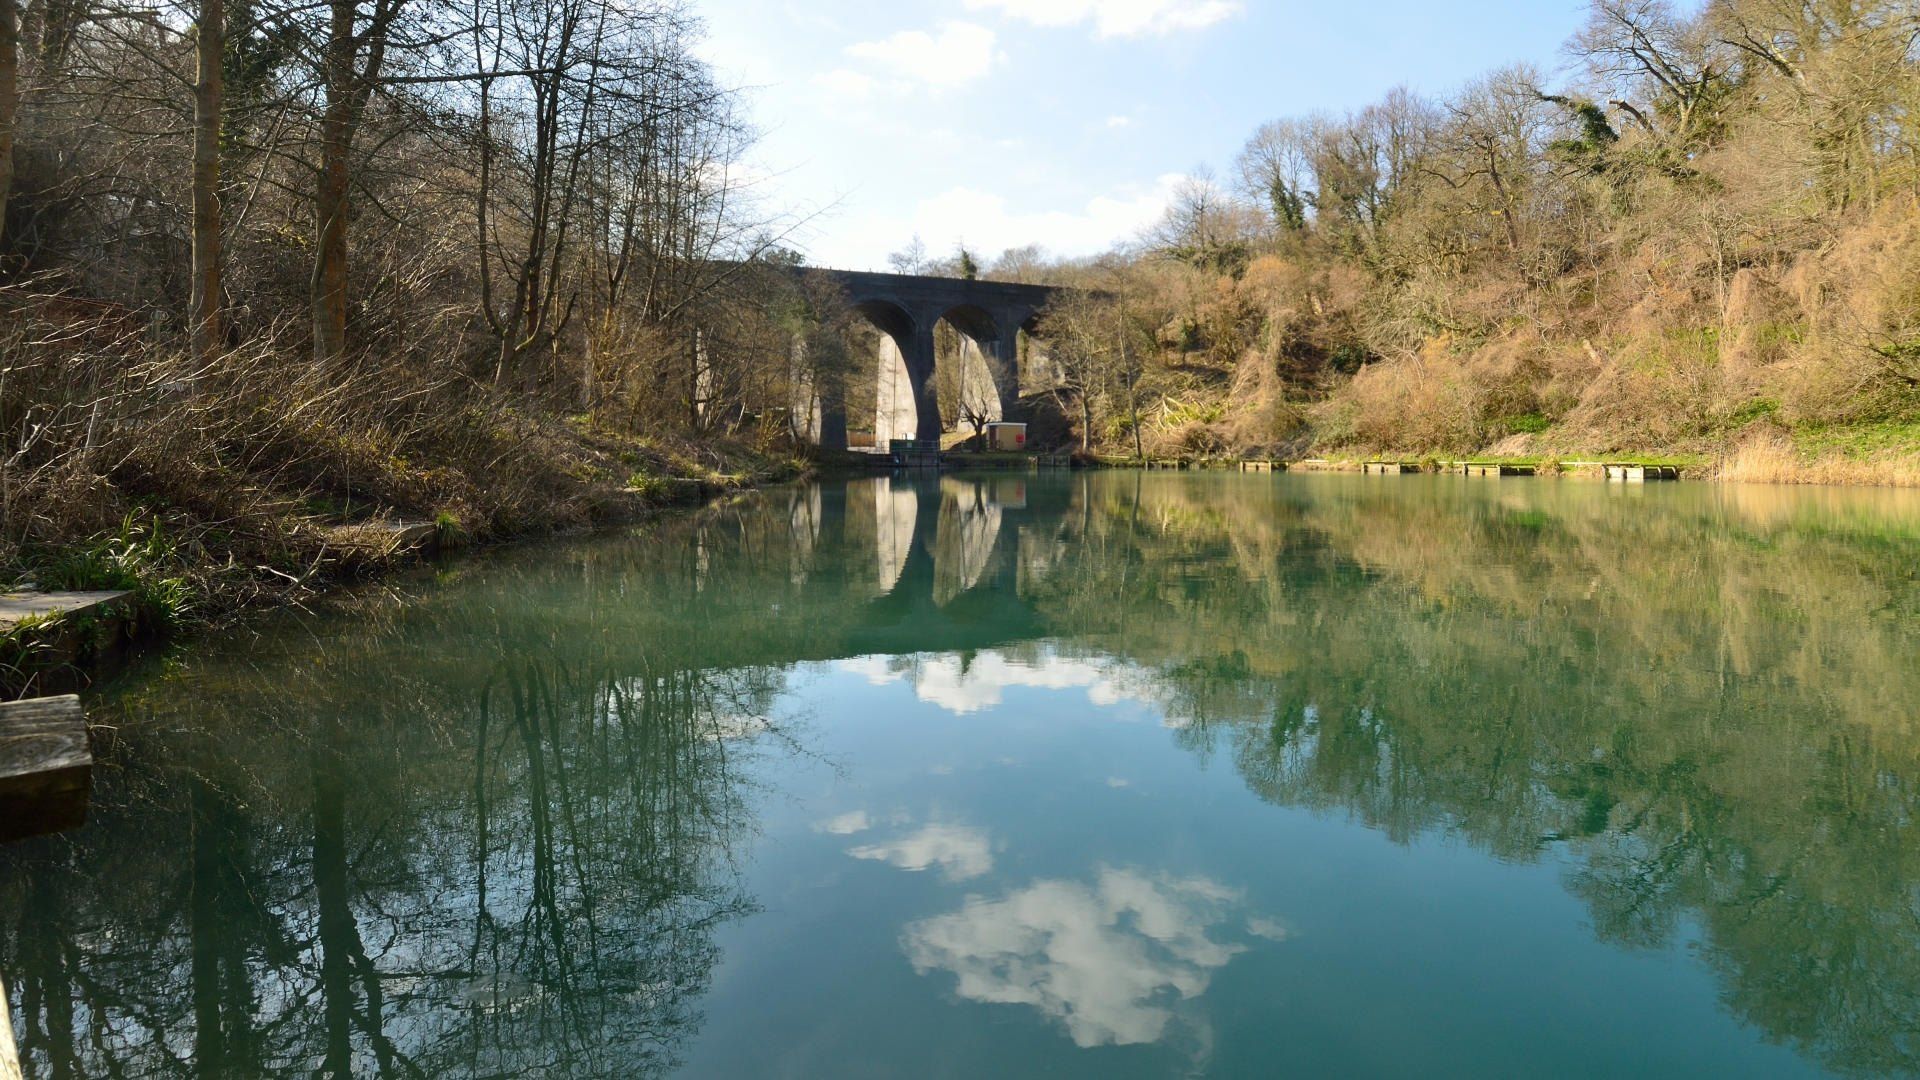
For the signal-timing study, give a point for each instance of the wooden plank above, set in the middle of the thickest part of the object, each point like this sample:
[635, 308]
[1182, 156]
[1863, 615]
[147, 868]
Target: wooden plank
[1486, 468]
[1634, 472]
[384, 539]
[46, 767]
[9, 1055]
[19, 607]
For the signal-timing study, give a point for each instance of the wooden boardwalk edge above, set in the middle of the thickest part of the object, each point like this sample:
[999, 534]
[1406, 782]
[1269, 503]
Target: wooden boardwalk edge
[46, 767]
[9, 1054]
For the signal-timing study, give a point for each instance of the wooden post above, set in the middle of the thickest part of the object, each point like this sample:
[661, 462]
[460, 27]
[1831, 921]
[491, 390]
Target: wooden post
[46, 769]
[9, 1056]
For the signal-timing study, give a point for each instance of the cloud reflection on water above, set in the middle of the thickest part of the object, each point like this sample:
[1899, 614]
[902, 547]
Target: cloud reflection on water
[854, 821]
[979, 683]
[961, 852]
[1109, 960]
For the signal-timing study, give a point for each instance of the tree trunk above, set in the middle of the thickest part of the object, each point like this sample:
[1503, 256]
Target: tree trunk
[338, 933]
[9, 98]
[1133, 411]
[210, 48]
[330, 204]
[1133, 386]
[1506, 204]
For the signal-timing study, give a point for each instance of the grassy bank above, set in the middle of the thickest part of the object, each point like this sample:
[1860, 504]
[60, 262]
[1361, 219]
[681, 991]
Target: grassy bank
[1885, 454]
[206, 490]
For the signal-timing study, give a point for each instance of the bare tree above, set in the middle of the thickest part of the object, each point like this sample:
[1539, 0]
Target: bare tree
[978, 391]
[9, 99]
[1491, 146]
[577, 81]
[1276, 169]
[210, 37]
[1204, 225]
[1027, 264]
[1094, 352]
[911, 259]
[352, 52]
[1661, 67]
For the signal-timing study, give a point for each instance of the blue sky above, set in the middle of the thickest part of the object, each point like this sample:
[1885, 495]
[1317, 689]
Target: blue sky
[1063, 122]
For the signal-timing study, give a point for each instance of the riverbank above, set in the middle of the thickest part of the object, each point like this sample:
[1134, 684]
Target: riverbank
[1867, 455]
[169, 566]
[164, 571]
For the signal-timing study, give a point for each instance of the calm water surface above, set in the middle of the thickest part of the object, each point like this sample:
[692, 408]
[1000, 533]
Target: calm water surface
[1108, 775]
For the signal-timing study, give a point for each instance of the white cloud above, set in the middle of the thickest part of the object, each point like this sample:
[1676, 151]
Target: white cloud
[1118, 18]
[1119, 121]
[1107, 960]
[961, 852]
[957, 54]
[846, 824]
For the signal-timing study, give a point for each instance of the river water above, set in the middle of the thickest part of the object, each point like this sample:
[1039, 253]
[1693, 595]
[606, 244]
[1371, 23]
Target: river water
[1109, 774]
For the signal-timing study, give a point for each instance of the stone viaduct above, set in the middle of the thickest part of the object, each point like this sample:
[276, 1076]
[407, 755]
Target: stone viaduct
[989, 317]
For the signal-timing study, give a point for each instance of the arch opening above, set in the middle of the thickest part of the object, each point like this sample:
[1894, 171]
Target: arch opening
[933, 360]
[976, 365]
[888, 385]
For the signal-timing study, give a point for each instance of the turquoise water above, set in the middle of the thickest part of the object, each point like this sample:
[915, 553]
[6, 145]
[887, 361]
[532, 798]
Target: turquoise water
[1092, 775]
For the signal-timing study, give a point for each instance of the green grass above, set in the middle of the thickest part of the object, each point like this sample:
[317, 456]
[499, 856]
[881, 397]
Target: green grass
[1757, 409]
[1682, 461]
[1886, 438]
[647, 485]
[1532, 423]
[448, 529]
[141, 559]
[23, 651]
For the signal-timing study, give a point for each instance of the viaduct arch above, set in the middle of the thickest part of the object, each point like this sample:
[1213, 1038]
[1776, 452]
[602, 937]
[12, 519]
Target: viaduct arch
[905, 309]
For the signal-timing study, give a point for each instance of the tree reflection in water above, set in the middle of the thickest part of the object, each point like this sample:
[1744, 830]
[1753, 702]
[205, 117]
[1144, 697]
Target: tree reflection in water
[1708, 702]
[492, 830]
[415, 850]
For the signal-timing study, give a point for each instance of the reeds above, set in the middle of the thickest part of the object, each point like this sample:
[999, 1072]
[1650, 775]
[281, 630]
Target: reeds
[243, 464]
[1772, 459]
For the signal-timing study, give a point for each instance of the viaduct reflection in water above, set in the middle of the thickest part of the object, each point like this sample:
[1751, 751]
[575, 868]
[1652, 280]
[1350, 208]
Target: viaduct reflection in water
[492, 830]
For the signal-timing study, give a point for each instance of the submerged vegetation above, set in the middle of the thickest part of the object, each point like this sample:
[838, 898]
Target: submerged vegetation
[1705, 238]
